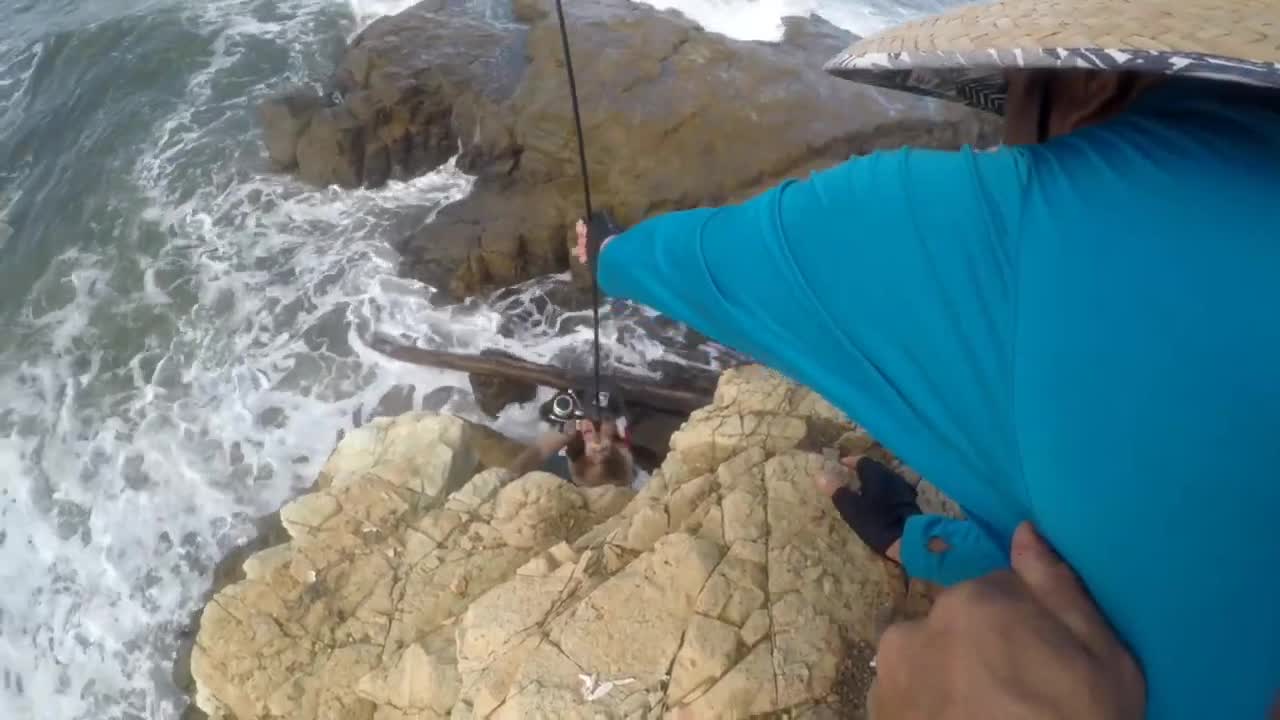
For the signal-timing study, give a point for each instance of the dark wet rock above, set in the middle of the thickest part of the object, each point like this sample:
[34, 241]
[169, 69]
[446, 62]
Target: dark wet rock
[273, 417]
[437, 399]
[71, 520]
[668, 110]
[236, 453]
[396, 90]
[135, 473]
[674, 116]
[331, 149]
[396, 401]
[284, 118]
[494, 393]
[651, 437]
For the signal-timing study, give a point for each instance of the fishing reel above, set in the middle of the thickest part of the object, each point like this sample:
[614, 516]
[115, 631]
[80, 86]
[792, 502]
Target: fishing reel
[567, 407]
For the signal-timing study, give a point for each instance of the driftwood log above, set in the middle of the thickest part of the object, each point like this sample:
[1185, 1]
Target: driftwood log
[695, 390]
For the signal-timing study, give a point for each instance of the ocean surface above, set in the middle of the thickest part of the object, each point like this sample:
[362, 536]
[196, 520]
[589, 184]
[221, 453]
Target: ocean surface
[179, 328]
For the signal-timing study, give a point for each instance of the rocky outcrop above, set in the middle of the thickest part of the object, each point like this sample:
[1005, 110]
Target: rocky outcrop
[493, 393]
[391, 101]
[414, 587]
[674, 117]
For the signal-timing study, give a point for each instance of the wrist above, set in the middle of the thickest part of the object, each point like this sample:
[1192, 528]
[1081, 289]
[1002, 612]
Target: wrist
[894, 551]
[604, 244]
[551, 442]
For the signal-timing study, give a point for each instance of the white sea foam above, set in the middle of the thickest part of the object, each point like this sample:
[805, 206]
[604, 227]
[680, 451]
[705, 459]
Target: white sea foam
[163, 392]
[15, 75]
[366, 11]
[760, 19]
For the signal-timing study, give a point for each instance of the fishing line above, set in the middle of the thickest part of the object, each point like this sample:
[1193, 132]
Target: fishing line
[593, 243]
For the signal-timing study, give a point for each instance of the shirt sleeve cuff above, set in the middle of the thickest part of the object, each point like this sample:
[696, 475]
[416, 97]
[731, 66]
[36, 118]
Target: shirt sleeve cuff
[970, 552]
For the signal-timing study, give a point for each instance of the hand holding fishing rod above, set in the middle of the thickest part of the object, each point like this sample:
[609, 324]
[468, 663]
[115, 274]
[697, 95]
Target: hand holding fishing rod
[591, 244]
[600, 223]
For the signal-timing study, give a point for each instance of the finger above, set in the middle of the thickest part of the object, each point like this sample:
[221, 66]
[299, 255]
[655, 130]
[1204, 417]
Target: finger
[1055, 586]
[851, 461]
[580, 250]
[829, 481]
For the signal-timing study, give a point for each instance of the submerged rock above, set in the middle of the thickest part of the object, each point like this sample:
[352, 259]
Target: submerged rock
[415, 586]
[493, 393]
[393, 96]
[674, 117]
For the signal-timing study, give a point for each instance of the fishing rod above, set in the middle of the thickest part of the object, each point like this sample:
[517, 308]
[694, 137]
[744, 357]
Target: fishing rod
[593, 227]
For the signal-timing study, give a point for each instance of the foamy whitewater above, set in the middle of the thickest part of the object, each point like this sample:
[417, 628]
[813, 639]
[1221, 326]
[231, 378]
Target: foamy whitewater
[182, 359]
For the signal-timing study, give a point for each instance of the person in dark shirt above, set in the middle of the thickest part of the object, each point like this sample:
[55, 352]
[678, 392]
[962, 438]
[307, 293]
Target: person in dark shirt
[582, 456]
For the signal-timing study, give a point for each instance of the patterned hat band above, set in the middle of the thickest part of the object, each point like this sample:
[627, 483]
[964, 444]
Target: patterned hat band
[963, 55]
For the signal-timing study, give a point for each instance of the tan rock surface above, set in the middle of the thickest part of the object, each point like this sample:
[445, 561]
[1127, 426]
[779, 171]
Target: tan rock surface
[414, 587]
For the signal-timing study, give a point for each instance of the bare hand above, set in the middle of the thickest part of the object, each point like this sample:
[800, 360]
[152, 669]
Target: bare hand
[597, 441]
[550, 442]
[580, 250]
[1014, 644]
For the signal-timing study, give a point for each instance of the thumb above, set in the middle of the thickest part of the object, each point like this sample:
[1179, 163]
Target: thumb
[1054, 584]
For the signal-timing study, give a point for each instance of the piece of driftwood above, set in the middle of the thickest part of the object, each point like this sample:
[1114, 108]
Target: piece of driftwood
[696, 388]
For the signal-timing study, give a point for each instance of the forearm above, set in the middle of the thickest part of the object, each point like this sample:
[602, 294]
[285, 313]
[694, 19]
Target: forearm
[651, 262]
[885, 284]
[527, 461]
[536, 454]
[679, 264]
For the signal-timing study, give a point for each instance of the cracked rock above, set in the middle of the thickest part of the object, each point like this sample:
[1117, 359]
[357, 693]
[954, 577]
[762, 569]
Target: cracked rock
[418, 585]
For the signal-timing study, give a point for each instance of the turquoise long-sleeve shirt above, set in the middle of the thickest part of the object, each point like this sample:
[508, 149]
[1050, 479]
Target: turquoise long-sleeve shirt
[1084, 334]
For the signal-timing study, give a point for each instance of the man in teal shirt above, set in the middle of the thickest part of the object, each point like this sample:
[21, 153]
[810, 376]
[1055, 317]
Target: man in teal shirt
[1080, 329]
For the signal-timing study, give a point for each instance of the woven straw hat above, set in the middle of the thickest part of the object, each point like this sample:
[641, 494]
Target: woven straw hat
[961, 55]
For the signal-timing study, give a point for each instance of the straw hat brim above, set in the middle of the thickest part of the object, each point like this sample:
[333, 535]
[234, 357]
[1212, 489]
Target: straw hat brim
[962, 55]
